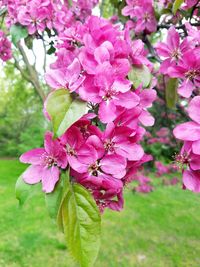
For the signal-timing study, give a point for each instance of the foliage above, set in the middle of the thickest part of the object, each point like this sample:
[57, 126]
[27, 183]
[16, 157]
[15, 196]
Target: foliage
[20, 115]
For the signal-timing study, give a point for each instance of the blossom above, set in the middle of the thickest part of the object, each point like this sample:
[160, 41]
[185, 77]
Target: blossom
[189, 132]
[5, 47]
[45, 163]
[188, 69]
[146, 20]
[172, 50]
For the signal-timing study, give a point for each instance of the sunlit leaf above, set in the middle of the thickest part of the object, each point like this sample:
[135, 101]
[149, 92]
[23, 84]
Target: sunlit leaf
[63, 110]
[140, 75]
[18, 32]
[82, 225]
[176, 5]
[76, 110]
[25, 191]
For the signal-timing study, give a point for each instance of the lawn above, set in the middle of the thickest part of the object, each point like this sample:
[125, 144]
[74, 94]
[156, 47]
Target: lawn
[161, 229]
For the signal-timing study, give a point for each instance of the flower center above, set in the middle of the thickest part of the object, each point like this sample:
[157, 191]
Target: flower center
[182, 159]
[146, 16]
[50, 161]
[84, 131]
[176, 54]
[94, 168]
[191, 74]
[71, 151]
[109, 145]
[109, 94]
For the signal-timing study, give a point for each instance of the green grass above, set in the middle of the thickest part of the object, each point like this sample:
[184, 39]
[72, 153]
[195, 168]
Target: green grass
[161, 229]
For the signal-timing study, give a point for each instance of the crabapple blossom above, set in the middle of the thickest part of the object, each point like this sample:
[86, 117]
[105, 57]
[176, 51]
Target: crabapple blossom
[5, 47]
[189, 132]
[45, 163]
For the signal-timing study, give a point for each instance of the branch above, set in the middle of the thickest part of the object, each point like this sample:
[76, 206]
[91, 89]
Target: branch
[32, 72]
[151, 49]
[23, 73]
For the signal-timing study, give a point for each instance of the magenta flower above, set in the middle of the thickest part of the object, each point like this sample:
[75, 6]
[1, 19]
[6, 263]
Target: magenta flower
[172, 50]
[5, 47]
[189, 132]
[93, 163]
[188, 69]
[146, 20]
[116, 141]
[45, 164]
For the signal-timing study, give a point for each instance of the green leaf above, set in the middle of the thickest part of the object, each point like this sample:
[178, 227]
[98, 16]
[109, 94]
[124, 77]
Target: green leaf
[171, 92]
[18, 32]
[63, 110]
[140, 75]
[57, 104]
[29, 42]
[82, 225]
[76, 110]
[53, 200]
[25, 191]
[51, 50]
[176, 5]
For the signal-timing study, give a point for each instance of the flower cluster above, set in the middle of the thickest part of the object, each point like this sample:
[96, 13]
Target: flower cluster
[142, 13]
[181, 59]
[93, 62]
[5, 47]
[37, 15]
[189, 132]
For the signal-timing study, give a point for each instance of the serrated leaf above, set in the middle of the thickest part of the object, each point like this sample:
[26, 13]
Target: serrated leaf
[76, 110]
[140, 75]
[176, 5]
[57, 104]
[171, 92]
[82, 225]
[18, 32]
[25, 191]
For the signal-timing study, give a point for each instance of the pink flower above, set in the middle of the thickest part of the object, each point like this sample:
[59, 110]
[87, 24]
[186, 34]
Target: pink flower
[116, 141]
[187, 69]
[189, 132]
[172, 50]
[45, 164]
[146, 20]
[5, 47]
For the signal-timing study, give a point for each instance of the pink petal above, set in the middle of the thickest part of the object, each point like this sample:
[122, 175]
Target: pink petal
[146, 118]
[194, 109]
[188, 131]
[33, 156]
[33, 174]
[127, 100]
[95, 141]
[107, 111]
[191, 180]
[115, 165]
[49, 179]
[196, 147]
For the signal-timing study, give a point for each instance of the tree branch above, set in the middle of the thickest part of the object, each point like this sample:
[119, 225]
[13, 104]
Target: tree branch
[151, 49]
[32, 72]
